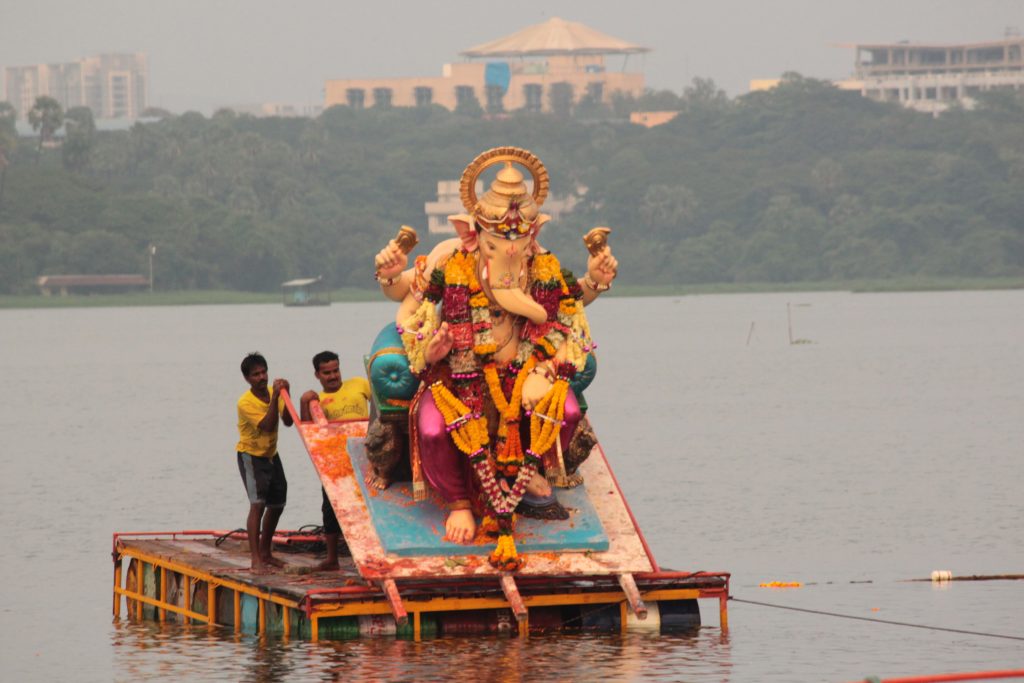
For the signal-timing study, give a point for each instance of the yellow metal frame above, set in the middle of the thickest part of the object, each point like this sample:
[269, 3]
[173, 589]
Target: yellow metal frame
[190, 574]
[324, 610]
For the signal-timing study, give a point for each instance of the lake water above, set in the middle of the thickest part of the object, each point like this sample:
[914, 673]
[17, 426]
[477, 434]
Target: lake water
[889, 445]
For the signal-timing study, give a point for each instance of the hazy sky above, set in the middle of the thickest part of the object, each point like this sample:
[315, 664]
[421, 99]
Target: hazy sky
[208, 53]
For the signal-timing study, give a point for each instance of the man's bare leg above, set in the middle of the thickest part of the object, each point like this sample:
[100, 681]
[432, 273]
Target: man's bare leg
[267, 536]
[460, 527]
[252, 530]
[332, 552]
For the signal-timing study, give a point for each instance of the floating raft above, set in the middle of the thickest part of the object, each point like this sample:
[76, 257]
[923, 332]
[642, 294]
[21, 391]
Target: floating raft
[593, 572]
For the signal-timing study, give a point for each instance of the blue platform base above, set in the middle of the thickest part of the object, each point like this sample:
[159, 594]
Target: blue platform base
[410, 529]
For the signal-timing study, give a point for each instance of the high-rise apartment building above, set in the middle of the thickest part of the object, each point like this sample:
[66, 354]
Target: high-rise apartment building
[113, 86]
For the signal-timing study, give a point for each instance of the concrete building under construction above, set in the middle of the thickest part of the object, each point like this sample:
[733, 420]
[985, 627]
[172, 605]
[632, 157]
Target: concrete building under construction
[540, 68]
[931, 77]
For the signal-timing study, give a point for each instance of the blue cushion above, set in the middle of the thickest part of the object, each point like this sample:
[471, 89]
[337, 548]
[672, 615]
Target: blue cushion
[389, 368]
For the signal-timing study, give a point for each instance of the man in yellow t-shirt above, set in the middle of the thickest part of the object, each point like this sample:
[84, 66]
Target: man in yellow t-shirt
[259, 411]
[339, 400]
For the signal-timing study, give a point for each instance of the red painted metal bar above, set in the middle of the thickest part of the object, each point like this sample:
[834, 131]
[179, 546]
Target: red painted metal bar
[289, 406]
[640, 534]
[397, 608]
[636, 603]
[515, 601]
[942, 678]
[317, 412]
[655, 576]
[281, 537]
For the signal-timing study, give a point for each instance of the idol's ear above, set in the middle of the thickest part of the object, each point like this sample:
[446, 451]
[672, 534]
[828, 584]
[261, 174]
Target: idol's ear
[539, 222]
[464, 226]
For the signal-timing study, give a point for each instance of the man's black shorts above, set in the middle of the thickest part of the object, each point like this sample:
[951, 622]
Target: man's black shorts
[264, 480]
[331, 525]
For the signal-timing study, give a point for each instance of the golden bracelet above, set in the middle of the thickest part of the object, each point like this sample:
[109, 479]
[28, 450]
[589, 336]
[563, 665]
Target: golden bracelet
[589, 282]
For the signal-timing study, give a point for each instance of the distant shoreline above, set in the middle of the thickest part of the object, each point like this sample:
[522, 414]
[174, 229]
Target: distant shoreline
[347, 295]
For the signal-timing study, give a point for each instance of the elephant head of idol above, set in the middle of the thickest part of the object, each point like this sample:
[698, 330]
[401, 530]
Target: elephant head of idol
[503, 225]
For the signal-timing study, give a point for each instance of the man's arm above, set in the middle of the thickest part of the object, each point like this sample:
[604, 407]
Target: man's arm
[269, 422]
[307, 398]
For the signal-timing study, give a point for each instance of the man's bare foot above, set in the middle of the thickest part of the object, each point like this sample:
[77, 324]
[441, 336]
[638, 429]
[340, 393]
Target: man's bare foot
[328, 565]
[272, 561]
[376, 482]
[460, 527]
[259, 568]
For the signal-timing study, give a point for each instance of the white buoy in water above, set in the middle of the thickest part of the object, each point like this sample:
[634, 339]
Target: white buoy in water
[942, 575]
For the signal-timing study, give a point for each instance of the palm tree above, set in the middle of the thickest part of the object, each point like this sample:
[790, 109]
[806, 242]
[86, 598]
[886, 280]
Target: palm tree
[46, 116]
[80, 130]
[8, 141]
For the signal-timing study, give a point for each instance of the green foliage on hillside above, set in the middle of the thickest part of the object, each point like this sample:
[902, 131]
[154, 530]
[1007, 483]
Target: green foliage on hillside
[801, 183]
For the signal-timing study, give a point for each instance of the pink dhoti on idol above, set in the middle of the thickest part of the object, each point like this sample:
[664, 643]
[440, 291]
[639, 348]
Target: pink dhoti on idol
[448, 470]
[496, 331]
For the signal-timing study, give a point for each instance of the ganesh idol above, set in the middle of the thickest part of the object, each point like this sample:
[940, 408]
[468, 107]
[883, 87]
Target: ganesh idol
[495, 330]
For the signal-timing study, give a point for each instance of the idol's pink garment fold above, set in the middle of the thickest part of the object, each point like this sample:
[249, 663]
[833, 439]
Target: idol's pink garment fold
[448, 469]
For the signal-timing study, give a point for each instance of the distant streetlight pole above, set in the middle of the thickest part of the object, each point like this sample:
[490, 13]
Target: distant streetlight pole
[152, 251]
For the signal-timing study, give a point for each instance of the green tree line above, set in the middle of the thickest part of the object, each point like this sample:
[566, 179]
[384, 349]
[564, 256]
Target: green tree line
[800, 183]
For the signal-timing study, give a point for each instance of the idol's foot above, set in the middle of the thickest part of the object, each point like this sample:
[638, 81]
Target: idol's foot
[376, 482]
[460, 527]
[538, 486]
[570, 481]
[541, 507]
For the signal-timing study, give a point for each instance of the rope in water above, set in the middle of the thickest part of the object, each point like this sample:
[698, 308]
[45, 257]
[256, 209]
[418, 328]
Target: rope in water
[879, 621]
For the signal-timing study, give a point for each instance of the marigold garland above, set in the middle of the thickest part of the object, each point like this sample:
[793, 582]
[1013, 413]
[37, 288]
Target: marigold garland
[455, 285]
[416, 332]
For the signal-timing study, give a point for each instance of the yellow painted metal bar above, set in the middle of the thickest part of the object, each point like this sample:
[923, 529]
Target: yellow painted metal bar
[336, 609]
[416, 632]
[286, 619]
[238, 611]
[117, 584]
[211, 602]
[262, 618]
[524, 627]
[188, 594]
[314, 628]
[723, 612]
[163, 592]
[672, 594]
[206, 576]
[138, 603]
[623, 615]
[156, 603]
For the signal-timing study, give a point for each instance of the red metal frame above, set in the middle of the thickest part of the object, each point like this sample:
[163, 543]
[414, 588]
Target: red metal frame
[640, 534]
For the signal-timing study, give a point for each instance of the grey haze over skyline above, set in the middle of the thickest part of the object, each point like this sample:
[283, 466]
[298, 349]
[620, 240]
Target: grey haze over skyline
[212, 53]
